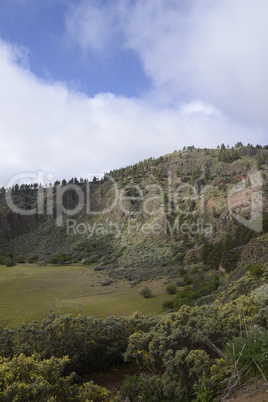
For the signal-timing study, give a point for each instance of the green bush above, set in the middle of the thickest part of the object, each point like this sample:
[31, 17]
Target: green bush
[145, 388]
[176, 355]
[171, 289]
[187, 280]
[9, 262]
[256, 270]
[249, 351]
[7, 342]
[5, 257]
[129, 388]
[199, 289]
[20, 259]
[27, 379]
[182, 271]
[61, 258]
[185, 347]
[167, 305]
[33, 258]
[146, 292]
[203, 392]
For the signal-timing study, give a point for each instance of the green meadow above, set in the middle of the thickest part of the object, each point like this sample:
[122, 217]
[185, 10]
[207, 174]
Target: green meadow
[30, 292]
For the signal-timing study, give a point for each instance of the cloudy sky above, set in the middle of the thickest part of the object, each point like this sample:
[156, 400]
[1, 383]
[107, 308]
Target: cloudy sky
[91, 85]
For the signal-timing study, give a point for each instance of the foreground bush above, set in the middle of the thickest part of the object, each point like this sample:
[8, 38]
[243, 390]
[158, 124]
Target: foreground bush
[178, 357]
[92, 344]
[249, 351]
[25, 379]
[185, 350]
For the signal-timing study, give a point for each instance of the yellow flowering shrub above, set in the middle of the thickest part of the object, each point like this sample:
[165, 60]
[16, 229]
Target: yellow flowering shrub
[26, 379]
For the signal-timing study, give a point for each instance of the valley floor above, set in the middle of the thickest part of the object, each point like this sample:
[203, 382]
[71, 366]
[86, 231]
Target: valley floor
[30, 292]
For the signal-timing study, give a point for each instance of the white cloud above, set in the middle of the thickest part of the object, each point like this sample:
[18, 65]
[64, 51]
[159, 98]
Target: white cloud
[216, 51]
[45, 125]
[90, 25]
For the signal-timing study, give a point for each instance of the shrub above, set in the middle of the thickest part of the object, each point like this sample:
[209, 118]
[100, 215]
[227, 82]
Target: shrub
[187, 280]
[61, 258]
[5, 256]
[144, 388]
[203, 392]
[29, 378]
[199, 289]
[180, 282]
[33, 258]
[7, 342]
[171, 289]
[129, 388]
[9, 262]
[20, 259]
[182, 271]
[146, 292]
[256, 270]
[167, 305]
[249, 351]
[92, 392]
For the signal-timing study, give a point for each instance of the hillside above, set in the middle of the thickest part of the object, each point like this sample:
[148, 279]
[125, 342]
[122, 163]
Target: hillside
[151, 219]
[184, 236]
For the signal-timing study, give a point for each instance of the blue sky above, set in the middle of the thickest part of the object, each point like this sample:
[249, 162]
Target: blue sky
[39, 26]
[88, 86]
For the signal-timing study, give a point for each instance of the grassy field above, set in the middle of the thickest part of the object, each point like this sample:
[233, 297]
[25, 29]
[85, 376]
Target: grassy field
[30, 292]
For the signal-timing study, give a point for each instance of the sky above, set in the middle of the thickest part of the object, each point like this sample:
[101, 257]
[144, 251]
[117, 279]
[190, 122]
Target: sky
[87, 86]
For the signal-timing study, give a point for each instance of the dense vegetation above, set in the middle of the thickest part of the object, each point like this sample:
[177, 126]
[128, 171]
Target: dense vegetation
[196, 353]
[214, 334]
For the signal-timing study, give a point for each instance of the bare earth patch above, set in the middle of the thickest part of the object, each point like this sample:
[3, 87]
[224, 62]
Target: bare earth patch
[254, 392]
